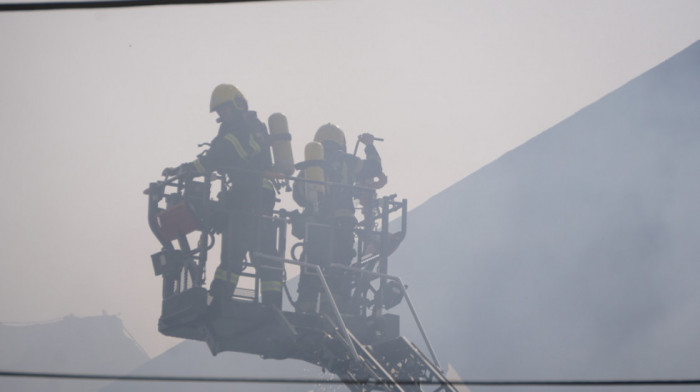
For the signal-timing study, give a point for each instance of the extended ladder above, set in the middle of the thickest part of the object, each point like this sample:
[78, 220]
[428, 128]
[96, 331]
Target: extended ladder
[392, 366]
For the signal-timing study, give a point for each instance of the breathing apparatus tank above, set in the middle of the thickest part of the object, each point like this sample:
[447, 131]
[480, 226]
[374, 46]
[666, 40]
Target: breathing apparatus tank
[281, 144]
[313, 154]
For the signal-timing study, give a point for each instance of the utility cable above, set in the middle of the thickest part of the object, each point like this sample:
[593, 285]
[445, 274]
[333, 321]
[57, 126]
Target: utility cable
[74, 5]
[254, 380]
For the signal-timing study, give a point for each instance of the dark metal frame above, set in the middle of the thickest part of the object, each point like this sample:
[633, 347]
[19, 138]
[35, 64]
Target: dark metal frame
[364, 350]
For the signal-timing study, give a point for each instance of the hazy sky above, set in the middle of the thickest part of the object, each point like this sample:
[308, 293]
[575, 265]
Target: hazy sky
[94, 103]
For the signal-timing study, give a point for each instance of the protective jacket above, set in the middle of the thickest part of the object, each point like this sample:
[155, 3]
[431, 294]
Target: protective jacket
[342, 171]
[241, 150]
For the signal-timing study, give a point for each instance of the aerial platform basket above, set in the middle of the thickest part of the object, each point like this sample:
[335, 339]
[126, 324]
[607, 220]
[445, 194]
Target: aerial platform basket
[364, 348]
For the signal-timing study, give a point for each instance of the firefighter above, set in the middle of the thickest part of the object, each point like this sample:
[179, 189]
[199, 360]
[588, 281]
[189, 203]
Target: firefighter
[333, 209]
[241, 151]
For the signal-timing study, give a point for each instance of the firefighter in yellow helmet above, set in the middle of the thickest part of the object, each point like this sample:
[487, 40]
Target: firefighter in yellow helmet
[334, 207]
[241, 151]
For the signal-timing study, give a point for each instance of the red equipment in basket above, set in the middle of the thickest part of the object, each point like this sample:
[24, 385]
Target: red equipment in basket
[176, 221]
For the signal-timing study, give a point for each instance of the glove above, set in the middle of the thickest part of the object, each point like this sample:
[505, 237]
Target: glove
[185, 168]
[366, 138]
[170, 171]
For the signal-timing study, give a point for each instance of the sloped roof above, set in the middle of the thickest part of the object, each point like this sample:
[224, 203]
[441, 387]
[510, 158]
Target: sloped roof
[574, 255]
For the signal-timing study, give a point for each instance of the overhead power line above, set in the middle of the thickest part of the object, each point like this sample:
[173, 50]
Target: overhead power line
[254, 380]
[76, 5]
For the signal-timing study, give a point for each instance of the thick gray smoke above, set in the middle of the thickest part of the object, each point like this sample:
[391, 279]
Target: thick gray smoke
[576, 254]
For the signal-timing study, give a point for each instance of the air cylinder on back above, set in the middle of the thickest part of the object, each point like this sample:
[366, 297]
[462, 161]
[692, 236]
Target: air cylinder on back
[313, 154]
[281, 144]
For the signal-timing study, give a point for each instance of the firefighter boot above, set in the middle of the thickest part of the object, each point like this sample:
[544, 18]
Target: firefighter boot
[222, 288]
[309, 288]
[272, 296]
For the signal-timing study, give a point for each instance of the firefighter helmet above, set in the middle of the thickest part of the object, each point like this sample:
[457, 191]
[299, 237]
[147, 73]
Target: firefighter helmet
[227, 93]
[330, 133]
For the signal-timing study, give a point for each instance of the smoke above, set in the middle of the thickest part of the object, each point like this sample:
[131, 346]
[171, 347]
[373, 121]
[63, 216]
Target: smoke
[573, 256]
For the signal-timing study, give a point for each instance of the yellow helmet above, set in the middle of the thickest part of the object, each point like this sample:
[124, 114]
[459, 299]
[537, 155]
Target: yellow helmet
[330, 133]
[227, 93]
